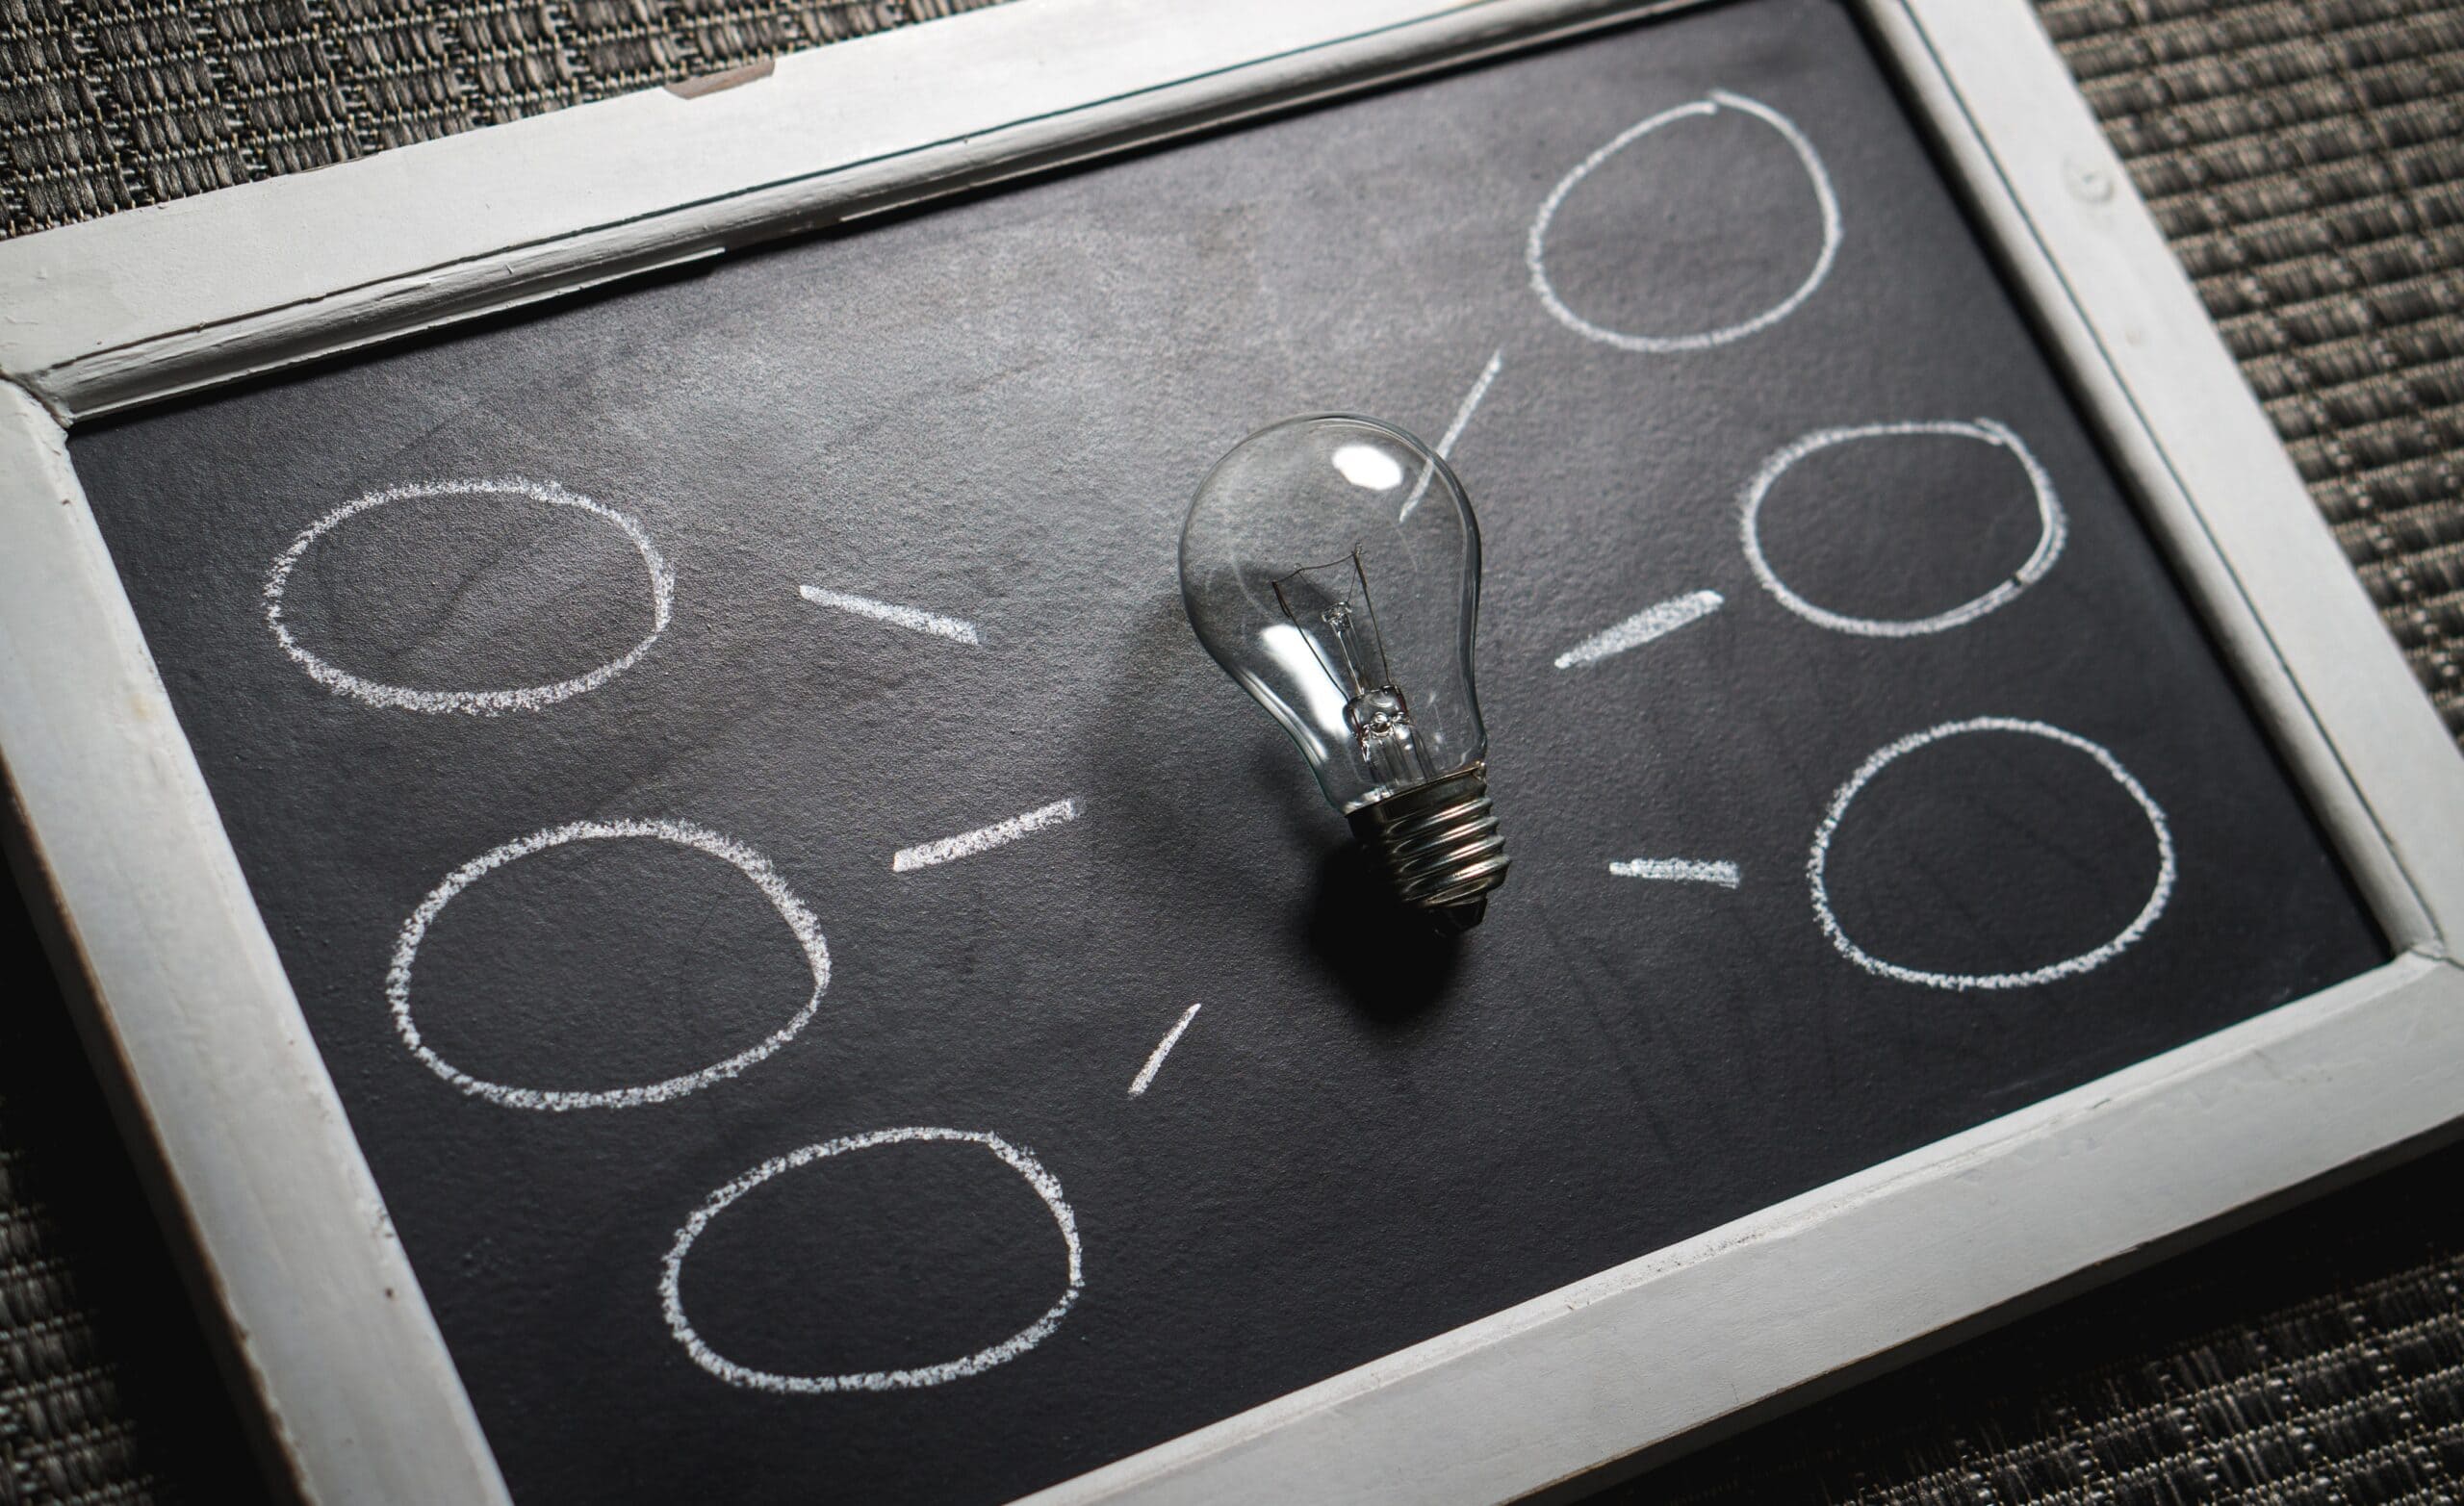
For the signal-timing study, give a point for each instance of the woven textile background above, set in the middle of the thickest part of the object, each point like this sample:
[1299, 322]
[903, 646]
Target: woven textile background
[2307, 159]
[110, 103]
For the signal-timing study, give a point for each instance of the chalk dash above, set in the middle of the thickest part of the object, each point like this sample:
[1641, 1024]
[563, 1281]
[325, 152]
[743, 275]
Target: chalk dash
[1656, 621]
[913, 619]
[984, 839]
[1172, 1038]
[1680, 870]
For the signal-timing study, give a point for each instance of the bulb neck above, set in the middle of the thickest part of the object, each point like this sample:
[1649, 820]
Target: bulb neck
[1439, 845]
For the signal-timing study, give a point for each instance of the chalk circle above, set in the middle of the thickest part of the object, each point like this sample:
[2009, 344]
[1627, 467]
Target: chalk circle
[2053, 528]
[1535, 247]
[744, 859]
[476, 703]
[1029, 1169]
[2067, 967]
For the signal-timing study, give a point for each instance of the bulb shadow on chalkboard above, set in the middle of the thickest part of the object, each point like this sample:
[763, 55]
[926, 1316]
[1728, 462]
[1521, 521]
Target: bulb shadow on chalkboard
[1390, 963]
[1207, 777]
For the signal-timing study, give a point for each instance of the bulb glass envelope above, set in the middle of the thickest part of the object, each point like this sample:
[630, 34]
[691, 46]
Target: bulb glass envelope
[1332, 566]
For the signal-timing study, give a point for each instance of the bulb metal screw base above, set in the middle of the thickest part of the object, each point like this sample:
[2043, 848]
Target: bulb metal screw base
[1439, 845]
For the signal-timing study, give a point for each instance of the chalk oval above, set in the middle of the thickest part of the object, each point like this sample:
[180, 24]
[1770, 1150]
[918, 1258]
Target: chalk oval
[1000, 1351]
[1819, 863]
[477, 702]
[756, 868]
[2053, 528]
[1823, 253]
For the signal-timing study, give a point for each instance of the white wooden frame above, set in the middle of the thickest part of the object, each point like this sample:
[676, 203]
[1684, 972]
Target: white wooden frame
[193, 1015]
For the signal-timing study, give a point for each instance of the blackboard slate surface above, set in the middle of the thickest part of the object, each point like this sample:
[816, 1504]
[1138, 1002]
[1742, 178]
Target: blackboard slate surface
[996, 411]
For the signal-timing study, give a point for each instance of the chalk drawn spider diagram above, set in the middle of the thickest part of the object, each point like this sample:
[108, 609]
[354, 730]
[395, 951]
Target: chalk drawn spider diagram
[1651, 623]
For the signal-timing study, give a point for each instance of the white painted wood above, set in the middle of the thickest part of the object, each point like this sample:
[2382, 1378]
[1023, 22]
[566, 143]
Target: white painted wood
[1650, 1350]
[320, 1301]
[193, 1005]
[178, 296]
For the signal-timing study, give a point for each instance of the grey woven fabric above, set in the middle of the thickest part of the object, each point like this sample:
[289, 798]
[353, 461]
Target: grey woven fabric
[110, 103]
[64, 1430]
[2307, 159]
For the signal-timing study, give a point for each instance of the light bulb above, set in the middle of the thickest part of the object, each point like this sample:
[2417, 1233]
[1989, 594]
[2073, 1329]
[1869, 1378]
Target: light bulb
[1332, 566]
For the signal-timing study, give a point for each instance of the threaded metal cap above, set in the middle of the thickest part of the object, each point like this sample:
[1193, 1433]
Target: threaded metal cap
[1439, 845]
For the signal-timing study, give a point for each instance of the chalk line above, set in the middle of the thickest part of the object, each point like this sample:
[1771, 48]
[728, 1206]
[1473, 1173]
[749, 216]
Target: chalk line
[477, 703]
[1535, 250]
[1454, 431]
[1656, 621]
[1029, 1169]
[751, 864]
[1471, 402]
[2069, 967]
[1680, 870]
[956, 629]
[2053, 527]
[1155, 1060]
[983, 839]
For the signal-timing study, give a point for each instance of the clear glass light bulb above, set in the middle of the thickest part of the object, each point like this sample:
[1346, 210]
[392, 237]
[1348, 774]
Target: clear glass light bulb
[1332, 566]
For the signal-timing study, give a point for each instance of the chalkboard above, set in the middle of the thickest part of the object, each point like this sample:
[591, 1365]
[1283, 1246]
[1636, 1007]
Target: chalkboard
[844, 1001]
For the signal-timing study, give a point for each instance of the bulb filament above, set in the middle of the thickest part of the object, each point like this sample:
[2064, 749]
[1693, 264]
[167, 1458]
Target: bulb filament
[1348, 646]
